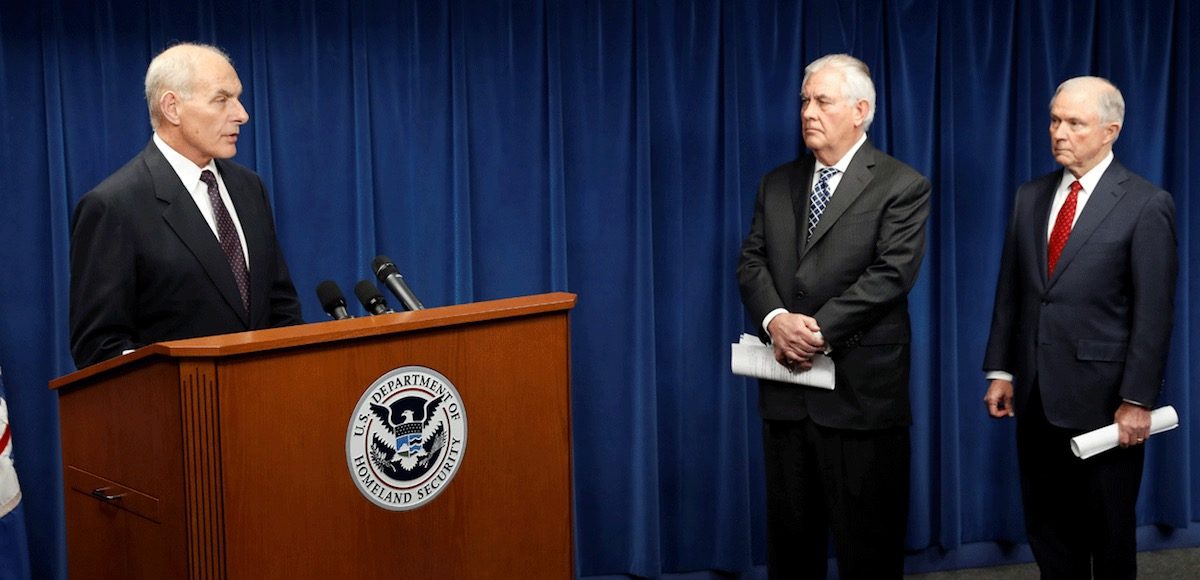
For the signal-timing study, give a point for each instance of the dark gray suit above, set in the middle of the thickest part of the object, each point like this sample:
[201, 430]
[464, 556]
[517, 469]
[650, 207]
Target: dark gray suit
[146, 267]
[838, 461]
[1077, 343]
[853, 276]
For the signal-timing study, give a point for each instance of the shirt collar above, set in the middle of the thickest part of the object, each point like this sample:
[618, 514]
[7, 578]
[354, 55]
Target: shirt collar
[187, 171]
[844, 162]
[1091, 179]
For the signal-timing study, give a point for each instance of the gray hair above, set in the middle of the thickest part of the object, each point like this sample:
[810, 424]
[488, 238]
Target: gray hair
[174, 70]
[1110, 105]
[856, 80]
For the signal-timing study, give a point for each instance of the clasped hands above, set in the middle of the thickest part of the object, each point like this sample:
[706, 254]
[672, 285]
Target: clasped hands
[796, 338]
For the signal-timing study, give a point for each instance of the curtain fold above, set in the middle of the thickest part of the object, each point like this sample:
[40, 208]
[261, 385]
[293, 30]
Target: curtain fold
[612, 149]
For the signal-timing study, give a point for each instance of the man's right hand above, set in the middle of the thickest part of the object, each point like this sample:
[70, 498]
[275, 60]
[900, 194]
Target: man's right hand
[796, 338]
[999, 398]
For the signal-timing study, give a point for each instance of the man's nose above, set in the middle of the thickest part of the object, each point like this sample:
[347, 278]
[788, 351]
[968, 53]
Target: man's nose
[808, 109]
[240, 116]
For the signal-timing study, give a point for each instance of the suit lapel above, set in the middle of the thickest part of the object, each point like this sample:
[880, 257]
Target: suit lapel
[185, 219]
[853, 183]
[801, 185]
[1041, 209]
[1101, 202]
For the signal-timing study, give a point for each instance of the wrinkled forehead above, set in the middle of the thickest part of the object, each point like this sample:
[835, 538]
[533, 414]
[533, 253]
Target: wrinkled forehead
[214, 75]
[826, 82]
[1076, 104]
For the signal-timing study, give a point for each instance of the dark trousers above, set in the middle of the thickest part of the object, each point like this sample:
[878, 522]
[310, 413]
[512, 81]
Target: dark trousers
[1079, 514]
[851, 484]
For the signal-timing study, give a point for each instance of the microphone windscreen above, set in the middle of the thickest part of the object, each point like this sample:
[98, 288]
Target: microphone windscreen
[330, 295]
[367, 292]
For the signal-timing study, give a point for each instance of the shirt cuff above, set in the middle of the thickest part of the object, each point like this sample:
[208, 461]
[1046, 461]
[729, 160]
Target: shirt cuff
[999, 375]
[771, 316]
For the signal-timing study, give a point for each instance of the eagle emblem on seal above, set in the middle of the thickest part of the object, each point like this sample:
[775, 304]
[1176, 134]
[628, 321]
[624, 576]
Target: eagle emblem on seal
[415, 436]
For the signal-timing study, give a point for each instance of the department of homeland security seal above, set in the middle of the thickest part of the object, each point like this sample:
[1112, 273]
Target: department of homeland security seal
[406, 438]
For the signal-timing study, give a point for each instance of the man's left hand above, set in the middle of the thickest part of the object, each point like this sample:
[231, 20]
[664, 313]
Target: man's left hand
[1133, 424]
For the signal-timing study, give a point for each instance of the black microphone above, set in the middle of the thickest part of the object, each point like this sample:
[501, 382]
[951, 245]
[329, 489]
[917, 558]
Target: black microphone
[387, 273]
[332, 300]
[371, 298]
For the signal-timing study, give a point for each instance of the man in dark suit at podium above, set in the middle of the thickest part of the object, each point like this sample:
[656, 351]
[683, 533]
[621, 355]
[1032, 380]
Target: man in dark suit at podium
[835, 246]
[180, 242]
[1080, 335]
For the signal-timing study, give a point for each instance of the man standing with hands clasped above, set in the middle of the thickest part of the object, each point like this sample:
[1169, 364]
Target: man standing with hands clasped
[835, 246]
[1080, 335]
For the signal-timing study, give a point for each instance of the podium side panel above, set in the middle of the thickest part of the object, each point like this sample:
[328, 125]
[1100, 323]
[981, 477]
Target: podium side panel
[121, 434]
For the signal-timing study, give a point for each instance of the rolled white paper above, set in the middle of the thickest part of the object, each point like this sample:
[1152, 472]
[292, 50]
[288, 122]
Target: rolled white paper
[1105, 438]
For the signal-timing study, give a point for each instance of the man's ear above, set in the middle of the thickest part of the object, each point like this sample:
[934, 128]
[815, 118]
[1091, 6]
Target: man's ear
[1111, 132]
[168, 103]
[861, 107]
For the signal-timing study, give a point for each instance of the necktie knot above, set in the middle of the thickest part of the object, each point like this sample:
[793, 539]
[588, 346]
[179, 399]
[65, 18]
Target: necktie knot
[1076, 187]
[208, 178]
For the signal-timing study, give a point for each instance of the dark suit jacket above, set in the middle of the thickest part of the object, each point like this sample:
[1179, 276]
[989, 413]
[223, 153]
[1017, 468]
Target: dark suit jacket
[146, 267]
[1097, 331]
[853, 276]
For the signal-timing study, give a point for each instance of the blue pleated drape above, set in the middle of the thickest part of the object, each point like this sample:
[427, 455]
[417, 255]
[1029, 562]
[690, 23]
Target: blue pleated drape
[612, 148]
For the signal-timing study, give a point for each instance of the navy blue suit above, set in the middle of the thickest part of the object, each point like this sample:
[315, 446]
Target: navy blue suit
[1097, 331]
[1078, 343]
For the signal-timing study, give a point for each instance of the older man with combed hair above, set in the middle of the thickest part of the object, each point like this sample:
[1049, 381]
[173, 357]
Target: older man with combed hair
[835, 246]
[1080, 335]
[180, 242]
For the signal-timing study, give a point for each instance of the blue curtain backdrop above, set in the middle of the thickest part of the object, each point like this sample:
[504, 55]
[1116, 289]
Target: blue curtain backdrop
[611, 148]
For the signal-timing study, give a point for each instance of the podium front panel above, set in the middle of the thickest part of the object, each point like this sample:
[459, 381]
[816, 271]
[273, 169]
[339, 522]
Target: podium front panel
[291, 505]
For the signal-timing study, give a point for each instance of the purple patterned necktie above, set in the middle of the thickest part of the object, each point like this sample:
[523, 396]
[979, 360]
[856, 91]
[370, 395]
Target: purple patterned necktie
[227, 234]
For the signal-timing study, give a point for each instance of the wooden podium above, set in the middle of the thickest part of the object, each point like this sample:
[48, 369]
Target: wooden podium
[226, 456]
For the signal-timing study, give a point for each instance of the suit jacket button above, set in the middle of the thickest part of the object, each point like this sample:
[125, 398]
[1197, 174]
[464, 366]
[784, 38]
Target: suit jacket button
[800, 294]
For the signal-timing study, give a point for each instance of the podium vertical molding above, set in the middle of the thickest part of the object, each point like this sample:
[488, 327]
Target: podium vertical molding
[202, 469]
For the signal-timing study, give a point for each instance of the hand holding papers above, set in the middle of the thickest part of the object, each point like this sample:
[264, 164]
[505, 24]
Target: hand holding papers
[1105, 438]
[751, 358]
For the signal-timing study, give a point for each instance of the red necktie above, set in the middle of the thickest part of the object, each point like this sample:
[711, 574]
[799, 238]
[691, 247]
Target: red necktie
[1062, 227]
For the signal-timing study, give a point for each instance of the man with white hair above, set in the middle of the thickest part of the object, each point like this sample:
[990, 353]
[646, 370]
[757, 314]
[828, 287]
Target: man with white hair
[1080, 334]
[180, 242]
[835, 246]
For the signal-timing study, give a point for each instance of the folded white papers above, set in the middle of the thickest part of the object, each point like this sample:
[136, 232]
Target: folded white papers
[751, 358]
[1105, 438]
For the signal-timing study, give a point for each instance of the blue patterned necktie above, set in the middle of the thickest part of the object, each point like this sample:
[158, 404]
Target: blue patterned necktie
[820, 198]
[227, 234]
